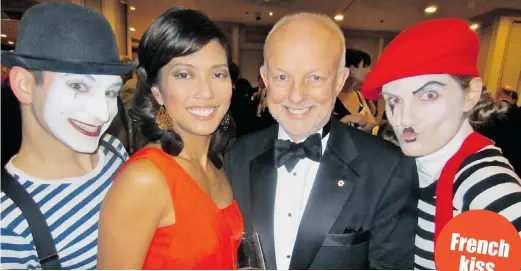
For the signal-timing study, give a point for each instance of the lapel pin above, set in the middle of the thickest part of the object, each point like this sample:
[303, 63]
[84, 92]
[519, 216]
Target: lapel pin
[340, 183]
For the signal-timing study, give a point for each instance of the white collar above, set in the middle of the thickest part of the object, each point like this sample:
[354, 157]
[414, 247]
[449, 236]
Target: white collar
[430, 166]
[102, 160]
[284, 136]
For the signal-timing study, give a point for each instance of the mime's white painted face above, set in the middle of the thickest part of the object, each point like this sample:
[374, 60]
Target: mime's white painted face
[79, 108]
[425, 111]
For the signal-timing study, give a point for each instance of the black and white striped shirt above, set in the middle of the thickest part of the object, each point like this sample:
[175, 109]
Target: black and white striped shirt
[71, 207]
[485, 180]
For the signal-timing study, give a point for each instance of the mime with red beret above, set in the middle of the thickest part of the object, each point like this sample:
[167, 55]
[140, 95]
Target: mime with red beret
[429, 79]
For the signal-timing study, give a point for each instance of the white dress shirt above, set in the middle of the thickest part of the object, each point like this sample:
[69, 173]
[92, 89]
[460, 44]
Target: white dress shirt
[292, 194]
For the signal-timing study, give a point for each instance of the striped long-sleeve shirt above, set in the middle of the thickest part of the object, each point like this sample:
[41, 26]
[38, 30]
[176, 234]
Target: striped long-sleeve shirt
[71, 208]
[485, 180]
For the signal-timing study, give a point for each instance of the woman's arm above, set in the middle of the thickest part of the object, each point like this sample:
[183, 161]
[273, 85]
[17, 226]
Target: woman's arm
[364, 119]
[370, 118]
[130, 215]
[372, 107]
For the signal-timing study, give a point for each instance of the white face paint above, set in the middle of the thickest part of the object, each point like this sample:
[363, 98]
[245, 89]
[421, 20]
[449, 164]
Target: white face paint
[79, 108]
[425, 111]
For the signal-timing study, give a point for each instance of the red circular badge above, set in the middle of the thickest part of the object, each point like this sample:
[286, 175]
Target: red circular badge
[478, 240]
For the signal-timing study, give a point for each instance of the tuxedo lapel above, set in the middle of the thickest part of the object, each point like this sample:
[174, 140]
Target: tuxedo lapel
[335, 179]
[263, 184]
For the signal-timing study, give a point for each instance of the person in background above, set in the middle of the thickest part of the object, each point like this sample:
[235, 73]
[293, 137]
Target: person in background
[319, 193]
[506, 93]
[350, 106]
[67, 81]
[240, 84]
[121, 127]
[4, 75]
[257, 95]
[434, 102]
[242, 108]
[129, 85]
[260, 97]
[171, 206]
[505, 131]
[263, 119]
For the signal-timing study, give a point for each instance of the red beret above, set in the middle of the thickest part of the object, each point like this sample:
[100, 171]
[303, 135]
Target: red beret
[444, 46]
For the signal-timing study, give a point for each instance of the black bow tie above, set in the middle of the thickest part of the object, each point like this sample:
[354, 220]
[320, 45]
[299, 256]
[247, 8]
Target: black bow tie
[288, 153]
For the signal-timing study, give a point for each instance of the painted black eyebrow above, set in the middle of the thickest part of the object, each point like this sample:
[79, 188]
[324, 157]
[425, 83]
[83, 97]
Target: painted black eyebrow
[116, 85]
[428, 84]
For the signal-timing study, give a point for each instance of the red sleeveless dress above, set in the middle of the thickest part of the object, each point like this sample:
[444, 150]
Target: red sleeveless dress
[201, 237]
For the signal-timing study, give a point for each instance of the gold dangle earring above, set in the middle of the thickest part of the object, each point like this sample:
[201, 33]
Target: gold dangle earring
[163, 119]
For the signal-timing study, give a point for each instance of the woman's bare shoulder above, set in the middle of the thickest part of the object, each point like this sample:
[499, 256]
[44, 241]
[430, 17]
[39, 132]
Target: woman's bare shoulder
[140, 178]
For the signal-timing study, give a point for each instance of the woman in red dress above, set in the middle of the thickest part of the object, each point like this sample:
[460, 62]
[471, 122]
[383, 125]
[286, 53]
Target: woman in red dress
[171, 206]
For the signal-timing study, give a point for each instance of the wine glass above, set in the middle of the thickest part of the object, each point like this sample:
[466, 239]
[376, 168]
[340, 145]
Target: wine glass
[249, 253]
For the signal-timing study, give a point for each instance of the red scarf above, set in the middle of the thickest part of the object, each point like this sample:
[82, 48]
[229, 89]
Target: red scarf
[444, 209]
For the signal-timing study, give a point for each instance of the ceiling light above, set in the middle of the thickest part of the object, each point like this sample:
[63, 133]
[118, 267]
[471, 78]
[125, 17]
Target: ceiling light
[339, 17]
[132, 8]
[474, 26]
[132, 29]
[3, 35]
[10, 42]
[431, 9]
[271, 13]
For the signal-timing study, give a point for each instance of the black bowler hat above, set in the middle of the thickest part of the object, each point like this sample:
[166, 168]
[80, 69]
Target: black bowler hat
[63, 37]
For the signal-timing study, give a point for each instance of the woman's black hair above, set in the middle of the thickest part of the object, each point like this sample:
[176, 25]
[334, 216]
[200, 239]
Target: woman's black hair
[177, 32]
[234, 72]
[354, 57]
[486, 110]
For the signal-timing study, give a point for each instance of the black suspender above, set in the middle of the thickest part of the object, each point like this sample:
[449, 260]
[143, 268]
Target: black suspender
[42, 237]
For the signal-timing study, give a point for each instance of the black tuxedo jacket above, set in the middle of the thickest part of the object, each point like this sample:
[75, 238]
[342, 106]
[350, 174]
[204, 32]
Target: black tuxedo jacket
[367, 223]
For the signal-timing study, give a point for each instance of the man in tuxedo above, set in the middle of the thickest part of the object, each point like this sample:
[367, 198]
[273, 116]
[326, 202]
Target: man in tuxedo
[320, 194]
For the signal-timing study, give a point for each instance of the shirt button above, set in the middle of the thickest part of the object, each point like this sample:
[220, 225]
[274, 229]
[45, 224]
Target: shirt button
[289, 214]
[288, 256]
[294, 174]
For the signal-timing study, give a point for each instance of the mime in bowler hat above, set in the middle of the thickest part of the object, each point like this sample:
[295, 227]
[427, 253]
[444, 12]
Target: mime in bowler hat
[66, 74]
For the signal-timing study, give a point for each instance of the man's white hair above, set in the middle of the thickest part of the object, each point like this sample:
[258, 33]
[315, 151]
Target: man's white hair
[316, 16]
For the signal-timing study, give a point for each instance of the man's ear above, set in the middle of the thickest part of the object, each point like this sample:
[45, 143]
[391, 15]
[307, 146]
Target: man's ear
[343, 74]
[22, 84]
[157, 95]
[473, 94]
[264, 74]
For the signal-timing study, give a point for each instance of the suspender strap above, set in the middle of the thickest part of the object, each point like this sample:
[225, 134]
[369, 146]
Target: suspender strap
[43, 240]
[111, 148]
